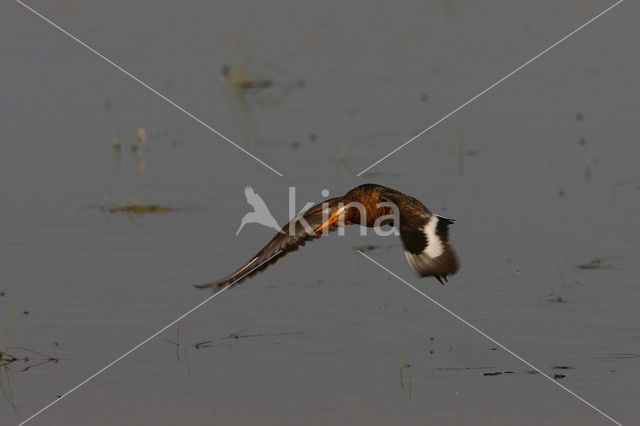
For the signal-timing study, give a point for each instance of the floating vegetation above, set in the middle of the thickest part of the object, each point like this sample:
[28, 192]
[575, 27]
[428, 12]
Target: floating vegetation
[461, 368]
[23, 358]
[16, 359]
[556, 376]
[237, 77]
[597, 264]
[247, 85]
[239, 335]
[497, 373]
[134, 206]
[242, 336]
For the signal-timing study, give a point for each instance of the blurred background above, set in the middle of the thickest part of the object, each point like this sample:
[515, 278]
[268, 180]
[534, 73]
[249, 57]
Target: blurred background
[114, 203]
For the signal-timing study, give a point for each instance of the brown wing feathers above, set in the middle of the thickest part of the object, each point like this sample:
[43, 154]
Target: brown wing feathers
[283, 242]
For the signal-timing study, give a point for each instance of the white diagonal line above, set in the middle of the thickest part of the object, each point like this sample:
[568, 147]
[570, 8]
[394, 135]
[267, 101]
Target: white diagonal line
[146, 86]
[190, 311]
[493, 85]
[476, 329]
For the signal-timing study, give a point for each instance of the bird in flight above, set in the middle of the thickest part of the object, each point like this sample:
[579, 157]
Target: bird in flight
[424, 235]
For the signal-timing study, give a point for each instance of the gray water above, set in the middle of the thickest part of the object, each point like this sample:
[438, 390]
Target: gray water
[541, 175]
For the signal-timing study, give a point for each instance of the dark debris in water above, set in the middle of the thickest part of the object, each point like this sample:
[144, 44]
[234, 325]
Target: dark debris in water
[556, 376]
[372, 247]
[205, 344]
[558, 299]
[498, 373]
[461, 368]
[597, 264]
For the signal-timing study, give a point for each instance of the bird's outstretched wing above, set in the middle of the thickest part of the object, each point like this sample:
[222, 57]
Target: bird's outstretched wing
[293, 235]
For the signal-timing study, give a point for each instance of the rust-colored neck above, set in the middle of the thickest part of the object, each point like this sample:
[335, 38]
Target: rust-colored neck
[366, 199]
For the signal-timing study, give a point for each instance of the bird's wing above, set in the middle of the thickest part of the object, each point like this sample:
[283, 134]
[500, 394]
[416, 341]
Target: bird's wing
[293, 235]
[426, 245]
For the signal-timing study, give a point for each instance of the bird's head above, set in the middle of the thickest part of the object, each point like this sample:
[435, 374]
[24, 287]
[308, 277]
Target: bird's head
[340, 214]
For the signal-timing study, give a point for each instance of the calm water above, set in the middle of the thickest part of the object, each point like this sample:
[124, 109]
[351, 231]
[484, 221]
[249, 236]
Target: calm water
[541, 175]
